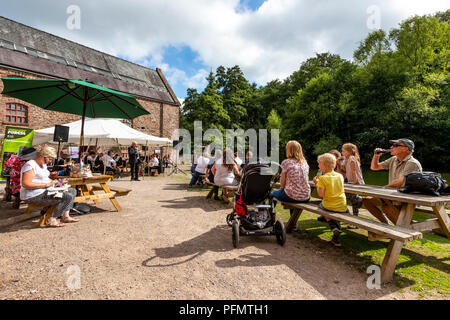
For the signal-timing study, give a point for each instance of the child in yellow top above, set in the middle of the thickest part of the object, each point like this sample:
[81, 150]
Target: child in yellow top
[330, 187]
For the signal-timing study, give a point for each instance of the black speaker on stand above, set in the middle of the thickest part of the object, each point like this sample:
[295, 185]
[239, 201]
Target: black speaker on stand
[61, 134]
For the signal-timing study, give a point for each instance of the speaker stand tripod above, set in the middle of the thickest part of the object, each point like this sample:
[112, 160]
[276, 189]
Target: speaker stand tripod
[57, 155]
[175, 169]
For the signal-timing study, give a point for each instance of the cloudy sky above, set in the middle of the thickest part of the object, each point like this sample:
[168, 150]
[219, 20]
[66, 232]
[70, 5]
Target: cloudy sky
[188, 38]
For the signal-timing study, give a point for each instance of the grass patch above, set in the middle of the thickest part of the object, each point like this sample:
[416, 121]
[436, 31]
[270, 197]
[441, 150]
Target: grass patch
[423, 265]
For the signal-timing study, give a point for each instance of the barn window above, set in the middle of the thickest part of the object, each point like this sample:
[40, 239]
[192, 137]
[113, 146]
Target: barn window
[16, 113]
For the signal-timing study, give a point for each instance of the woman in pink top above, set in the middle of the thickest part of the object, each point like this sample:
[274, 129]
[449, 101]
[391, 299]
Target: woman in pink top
[352, 173]
[294, 176]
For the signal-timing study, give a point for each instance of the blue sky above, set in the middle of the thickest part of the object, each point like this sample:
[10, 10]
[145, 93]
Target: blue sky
[187, 39]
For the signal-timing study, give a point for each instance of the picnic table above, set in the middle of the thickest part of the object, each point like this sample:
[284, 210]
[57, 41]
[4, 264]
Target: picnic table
[227, 192]
[97, 183]
[87, 186]
[404, 230]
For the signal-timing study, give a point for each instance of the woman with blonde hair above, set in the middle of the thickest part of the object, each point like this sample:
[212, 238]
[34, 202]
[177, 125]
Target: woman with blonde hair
[352, 173]
[294, 176]
[35, 179]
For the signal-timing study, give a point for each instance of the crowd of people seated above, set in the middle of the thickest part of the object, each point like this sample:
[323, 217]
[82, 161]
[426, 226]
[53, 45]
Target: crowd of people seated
[221, 170]
[335, 169]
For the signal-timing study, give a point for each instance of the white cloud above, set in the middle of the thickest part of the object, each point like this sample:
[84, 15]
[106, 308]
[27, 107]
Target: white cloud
[268, 43]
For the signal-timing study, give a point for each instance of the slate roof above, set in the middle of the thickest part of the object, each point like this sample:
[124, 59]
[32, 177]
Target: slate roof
[33, 50]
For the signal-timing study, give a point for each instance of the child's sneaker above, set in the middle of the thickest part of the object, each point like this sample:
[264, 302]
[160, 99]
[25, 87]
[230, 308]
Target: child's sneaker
[335, 240]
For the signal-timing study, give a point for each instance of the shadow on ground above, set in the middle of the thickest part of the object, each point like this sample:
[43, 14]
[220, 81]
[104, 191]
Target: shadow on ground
[12, 220]
[218, 239]
[192, 202]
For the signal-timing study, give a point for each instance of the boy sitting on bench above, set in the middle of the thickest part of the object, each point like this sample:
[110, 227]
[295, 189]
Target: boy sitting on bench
[330, 187]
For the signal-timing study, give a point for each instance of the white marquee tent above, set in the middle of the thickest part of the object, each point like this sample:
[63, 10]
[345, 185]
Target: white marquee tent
[102, 132]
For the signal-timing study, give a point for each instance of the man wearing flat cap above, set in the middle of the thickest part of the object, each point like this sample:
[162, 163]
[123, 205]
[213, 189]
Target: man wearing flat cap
[400, 164]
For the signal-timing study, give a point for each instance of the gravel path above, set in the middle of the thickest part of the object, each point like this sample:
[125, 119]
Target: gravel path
[168, 243]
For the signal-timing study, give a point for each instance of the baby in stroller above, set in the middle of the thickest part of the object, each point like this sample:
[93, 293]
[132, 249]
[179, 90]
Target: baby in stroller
[254, 212]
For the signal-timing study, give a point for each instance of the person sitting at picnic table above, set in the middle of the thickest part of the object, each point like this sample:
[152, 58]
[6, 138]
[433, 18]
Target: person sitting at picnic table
[351, 170]
[400, 164]
[35, 179]
[210, 175]
[248, 158]
[167, 160]
[330, 187]
[98, 163]
[294, 176]
[109, 163]
[120, 163]
[237, 159]
[90, 160]
[153, 162]
[225, 169]
[200, 169]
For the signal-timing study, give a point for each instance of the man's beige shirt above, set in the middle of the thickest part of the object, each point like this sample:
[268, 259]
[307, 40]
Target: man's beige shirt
[400, 168]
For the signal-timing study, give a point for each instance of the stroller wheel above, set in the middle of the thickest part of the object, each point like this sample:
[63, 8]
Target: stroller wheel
[280, 232]
[230, 218]
[235, 233]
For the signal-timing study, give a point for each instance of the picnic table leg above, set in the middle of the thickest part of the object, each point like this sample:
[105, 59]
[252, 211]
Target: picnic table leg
[210, 193]
[47, 215]
[87, 191]
[444, 220]
[293, 220]
[395, 246]
[113, 199]
[225, 195]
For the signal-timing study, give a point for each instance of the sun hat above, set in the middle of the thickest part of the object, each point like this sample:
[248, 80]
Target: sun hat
[406, 142]
[46, 151]
[28, 154]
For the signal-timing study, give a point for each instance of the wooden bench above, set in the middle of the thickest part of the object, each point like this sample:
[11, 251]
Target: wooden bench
[47, 214]
[119, 192]
[154, 172]
[375, 231]
[227, 191]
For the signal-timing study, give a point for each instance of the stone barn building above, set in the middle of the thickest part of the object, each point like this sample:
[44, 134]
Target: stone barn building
[31, 53]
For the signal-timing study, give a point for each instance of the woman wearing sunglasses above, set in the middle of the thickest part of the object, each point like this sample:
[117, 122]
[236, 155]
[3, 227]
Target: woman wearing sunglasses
[400, 164]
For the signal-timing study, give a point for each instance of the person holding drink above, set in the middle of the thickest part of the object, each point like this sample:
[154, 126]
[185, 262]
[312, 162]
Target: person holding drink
[400, 164]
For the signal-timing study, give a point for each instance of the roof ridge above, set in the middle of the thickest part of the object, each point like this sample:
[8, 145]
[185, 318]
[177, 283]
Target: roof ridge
[76, 43]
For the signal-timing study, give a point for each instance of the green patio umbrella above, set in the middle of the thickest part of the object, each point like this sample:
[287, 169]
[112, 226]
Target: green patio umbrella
[75, 97]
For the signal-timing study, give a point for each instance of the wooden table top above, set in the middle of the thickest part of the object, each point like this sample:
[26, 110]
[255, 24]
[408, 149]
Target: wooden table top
[393, 194]
[89, 180]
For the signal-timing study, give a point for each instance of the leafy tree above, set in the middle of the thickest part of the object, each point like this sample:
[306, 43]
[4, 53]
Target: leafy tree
[398, 86]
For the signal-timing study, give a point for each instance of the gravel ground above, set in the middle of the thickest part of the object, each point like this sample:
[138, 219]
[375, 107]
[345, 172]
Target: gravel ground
[168, 243]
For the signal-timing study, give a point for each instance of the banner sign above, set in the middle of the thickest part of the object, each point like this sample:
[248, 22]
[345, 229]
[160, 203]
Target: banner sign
[73, 152]
[14, 141]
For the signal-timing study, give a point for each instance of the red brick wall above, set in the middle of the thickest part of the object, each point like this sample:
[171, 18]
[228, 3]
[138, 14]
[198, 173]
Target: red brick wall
[39, 118]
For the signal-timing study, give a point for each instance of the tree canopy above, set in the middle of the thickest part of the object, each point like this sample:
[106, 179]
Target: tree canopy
[397, 86]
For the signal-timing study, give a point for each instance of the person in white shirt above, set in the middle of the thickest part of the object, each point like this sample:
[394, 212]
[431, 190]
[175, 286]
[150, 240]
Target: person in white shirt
[154, 162]
[200, 169]
[109, 163]
[34, 181]
[237, 160]
[90, 159]
[225, 170]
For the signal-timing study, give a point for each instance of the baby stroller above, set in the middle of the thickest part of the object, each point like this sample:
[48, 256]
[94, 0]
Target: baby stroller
[253, 213]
